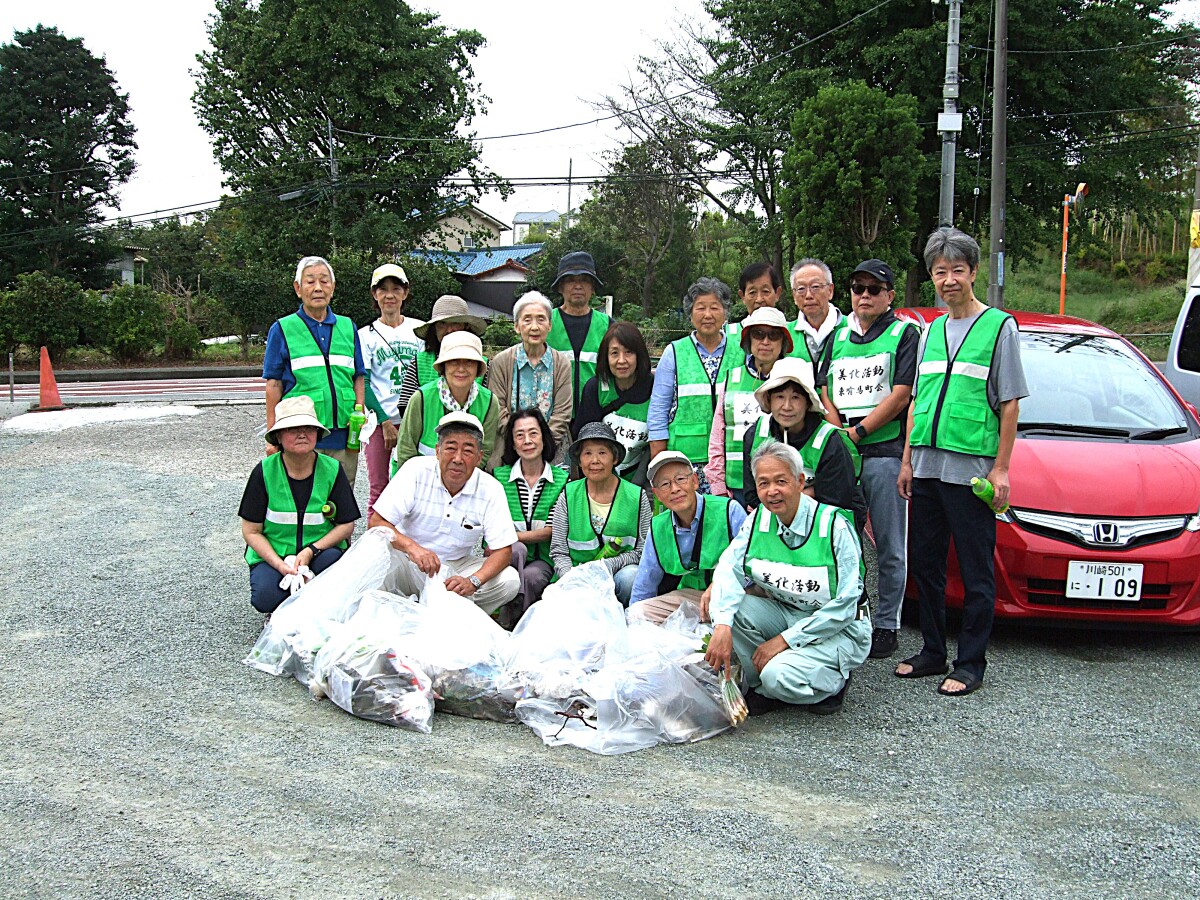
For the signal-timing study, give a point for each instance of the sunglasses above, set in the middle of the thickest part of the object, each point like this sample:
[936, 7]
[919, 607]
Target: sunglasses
[764, 334]
[872, 289]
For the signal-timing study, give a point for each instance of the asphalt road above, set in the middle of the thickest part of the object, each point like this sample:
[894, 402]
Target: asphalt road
[158, 390]
[140, 758]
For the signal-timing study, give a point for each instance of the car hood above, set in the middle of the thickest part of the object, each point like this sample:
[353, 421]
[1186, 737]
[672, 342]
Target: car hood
[1101, 478]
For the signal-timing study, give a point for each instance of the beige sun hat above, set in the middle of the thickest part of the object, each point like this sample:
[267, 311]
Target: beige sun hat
[449, 308]
[797, 371]
[771, 318]
[293, 412]
[388, 270]
[460, 345]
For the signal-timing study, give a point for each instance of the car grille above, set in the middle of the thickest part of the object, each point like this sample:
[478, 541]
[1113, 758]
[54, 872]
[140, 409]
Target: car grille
[1053, 592]
[1101, 534]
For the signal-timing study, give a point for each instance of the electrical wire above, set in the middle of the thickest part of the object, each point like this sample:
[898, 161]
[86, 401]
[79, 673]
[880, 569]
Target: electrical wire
[1178, 40]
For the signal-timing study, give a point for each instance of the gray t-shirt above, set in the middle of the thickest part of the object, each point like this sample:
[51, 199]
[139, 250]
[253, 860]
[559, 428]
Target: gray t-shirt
[1006, 381]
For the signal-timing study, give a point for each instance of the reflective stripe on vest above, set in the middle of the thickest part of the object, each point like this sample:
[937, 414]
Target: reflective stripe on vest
[284, 528]
[804, 578]
[697, 399]
[425, 370]
[861, 376]
[950, 404]
[628, 422]
[585, 363]
[328, 381]
[541, 509]
[713, 536]
[813, 448]
[741, 412]
[619, 533]
[432, 411]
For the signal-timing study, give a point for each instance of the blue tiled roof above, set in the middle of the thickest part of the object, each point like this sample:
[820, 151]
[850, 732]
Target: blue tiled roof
[475, 262]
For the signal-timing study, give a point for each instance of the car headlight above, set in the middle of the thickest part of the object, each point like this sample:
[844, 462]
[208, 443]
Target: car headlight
[1006, 516]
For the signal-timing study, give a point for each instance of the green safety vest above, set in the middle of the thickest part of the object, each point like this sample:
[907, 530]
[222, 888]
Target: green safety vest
[541, 509]
[811, 452]
[696, 399]
[620, 532]
[804, 578]
[327, 380]
[628, 422]
[589, 355]
[287, 531]
[861, 376]
[432, 410]
[713, 536]
[950, 408]
[741, 412]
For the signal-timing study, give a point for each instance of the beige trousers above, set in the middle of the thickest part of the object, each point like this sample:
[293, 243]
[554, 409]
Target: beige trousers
[492, 595]
[657, 609]
[348, 459]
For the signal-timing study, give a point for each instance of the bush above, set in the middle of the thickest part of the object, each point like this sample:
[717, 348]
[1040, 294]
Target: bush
[1094, 256]
[136, 322]
[93, 320]
[500, 334]
[46, 312]
[183, 340]
[1120, 269]
[8, 330]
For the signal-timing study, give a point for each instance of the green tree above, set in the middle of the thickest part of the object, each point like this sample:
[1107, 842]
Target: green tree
[46, 310]
[283, 77]
[66, 145]
[136, 322]
[850, 177]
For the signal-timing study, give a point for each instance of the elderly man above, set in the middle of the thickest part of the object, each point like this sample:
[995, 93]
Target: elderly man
[759, 287]
[575, 327]
[866, 379]
[440, 508]
[686, 540]
[812, 290]
[962, 425]
[314, 353]
[802, 633]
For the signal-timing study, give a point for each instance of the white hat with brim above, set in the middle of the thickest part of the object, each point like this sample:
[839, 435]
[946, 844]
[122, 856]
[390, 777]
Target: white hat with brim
[460, 345]
[666, 458]
[770, 317]
[459, 420]
[294, 412]
[795, 371]
[449, 308]
[388, 270]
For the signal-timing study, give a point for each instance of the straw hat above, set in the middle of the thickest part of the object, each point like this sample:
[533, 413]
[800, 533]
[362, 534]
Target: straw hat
[460, 345]
[449, 308]
[771, 318]
[796, 371]
[294, 412]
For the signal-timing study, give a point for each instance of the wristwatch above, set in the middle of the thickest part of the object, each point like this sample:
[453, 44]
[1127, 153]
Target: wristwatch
[475, 582]
[860, 431]
[316, 551]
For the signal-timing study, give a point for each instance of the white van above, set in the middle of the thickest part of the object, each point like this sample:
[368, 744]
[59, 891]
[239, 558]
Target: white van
[1182, 367]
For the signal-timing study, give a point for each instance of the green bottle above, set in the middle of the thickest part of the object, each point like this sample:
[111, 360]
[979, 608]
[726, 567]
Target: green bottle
[329, 511]
[357, 419]
[982, 488]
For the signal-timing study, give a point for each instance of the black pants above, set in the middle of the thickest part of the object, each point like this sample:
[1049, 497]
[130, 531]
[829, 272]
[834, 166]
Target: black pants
[938, 512]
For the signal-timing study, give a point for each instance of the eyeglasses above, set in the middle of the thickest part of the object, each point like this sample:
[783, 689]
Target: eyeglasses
[679, 481]
[765, 334]
[872, 289]
[801, 289]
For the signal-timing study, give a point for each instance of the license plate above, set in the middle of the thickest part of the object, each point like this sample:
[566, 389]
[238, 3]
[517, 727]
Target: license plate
[1104, 581]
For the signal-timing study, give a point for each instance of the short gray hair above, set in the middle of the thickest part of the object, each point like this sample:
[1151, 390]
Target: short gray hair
[702, 286]
[461, 430]
[308, 262]
[785, 453]
[810, 261]
[532, 297]
[953, 246]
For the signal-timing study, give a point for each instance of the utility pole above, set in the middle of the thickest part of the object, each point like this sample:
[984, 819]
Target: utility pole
[999, 188]
[570, 166]
[1194, 232]
[950, 120]
[333, 181]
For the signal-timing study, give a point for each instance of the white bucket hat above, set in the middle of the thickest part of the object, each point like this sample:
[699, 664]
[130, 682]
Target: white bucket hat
[293, 412]
[771, 318]
[790, 369]
[460, 345]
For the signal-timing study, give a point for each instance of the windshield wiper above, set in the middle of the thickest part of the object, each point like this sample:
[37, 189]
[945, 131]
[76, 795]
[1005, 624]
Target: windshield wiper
[1063, 427]
[1153, 434]
[1082, 339]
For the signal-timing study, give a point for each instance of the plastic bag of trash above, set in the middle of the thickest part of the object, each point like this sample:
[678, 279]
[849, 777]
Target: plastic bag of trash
[686, 621]
[563, 636]
[380, 620]
[372, 682]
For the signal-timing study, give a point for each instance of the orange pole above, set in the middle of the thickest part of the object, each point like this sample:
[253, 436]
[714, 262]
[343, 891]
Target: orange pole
[1062, 284]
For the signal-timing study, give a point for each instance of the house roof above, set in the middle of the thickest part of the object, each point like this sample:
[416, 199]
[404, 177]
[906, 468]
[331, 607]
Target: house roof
[537, 218]
[470, 263]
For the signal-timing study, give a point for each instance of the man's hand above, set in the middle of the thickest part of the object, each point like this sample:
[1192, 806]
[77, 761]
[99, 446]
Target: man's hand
[459, 585]
[391, 434]
[904, 482]
[720, 648]
[704, 600]
[425, 560]
[767, 651]
[999, 479]
[852, 433]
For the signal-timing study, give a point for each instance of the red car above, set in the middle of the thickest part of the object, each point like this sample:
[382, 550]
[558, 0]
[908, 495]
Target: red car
[1104, 524]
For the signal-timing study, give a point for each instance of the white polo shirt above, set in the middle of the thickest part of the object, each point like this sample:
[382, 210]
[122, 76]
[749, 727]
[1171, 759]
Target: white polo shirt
[421, 508]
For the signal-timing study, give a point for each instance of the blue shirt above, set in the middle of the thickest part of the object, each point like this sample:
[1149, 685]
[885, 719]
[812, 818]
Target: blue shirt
[277, 364]
[663, 398]
[650, 571]
[533, 386]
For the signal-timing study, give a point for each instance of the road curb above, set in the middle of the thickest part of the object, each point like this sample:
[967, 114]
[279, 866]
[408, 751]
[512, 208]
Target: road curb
[75, 375]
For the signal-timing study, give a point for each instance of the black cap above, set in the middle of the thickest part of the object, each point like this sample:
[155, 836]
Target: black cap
[877, 268]
[577, 262]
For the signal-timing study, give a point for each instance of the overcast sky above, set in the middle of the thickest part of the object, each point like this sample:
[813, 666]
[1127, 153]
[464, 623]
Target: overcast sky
[543, 63]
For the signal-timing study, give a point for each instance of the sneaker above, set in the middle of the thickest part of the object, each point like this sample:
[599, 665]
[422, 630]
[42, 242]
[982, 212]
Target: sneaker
[832, 704]
[883, 643]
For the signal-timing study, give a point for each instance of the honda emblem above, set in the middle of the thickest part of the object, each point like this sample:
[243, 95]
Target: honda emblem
[1105, 533]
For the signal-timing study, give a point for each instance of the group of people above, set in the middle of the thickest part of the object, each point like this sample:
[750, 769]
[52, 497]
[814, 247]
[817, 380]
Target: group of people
[767, 445]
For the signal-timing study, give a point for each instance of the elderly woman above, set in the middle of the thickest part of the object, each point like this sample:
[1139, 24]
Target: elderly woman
[532, 375]
[450, 314]
[389, 348]
[298, 509]
[601, 516]
[796, 417]
[459, 366]
[684, 400]
[619, 396]
[532, 486]
[764, 338]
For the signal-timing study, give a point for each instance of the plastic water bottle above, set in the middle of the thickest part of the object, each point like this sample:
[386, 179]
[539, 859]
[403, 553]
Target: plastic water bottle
[329, 511]
[982, 488]
[357, 419]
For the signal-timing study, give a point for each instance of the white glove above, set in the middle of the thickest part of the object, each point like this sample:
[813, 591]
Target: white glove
[293, 583]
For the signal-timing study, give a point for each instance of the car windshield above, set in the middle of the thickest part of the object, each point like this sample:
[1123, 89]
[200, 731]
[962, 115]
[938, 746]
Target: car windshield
[1094, 385]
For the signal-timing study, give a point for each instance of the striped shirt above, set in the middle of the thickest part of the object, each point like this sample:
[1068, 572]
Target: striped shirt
[561, 554]
[529, 501]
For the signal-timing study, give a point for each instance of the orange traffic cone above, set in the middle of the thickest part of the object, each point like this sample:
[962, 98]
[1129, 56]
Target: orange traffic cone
[48, 399]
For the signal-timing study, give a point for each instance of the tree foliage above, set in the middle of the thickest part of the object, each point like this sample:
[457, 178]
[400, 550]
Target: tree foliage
[66, 145]
[280, 73]
[850, 177]
[135, 322]
[46, 312]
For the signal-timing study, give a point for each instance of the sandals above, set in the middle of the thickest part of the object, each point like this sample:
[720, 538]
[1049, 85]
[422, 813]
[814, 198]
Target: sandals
[923, 666]
[972, 683]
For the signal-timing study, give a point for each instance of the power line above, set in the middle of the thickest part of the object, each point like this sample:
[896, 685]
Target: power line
[1178, 40]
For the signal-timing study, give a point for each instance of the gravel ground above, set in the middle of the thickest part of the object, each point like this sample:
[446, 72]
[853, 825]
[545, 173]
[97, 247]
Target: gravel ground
[141, 758]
